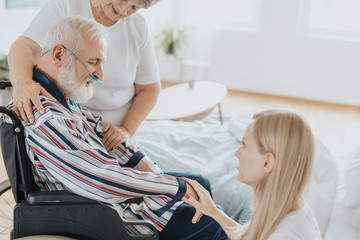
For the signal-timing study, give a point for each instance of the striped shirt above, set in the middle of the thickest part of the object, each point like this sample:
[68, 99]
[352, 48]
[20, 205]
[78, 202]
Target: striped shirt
[64, 146]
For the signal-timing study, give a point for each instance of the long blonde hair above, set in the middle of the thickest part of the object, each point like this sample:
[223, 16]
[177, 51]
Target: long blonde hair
[289, 138]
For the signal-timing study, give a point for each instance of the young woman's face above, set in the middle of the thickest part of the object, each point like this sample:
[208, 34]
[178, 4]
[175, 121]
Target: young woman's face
[251, 161]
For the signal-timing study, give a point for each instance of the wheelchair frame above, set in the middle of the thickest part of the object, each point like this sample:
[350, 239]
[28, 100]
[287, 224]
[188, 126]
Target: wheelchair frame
[55, 212]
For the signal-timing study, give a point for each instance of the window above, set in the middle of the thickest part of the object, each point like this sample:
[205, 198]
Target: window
[331, 18]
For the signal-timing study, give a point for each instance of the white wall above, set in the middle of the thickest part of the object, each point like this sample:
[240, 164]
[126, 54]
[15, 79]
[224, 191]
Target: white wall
[276, 59]
[13, 23]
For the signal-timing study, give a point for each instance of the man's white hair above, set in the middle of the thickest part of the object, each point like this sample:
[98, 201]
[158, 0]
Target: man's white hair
[72, 32]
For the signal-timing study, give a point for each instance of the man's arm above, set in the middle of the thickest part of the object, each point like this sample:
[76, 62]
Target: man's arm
[123, 151]
[78, 160]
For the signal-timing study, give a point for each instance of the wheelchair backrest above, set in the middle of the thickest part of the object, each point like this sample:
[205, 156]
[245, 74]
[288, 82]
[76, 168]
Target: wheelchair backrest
[16, 160]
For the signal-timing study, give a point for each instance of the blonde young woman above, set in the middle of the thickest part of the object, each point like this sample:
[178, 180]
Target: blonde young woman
[275, 159]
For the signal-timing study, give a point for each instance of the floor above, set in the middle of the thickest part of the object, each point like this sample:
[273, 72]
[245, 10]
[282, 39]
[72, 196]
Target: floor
[335, 124]
[7, 204]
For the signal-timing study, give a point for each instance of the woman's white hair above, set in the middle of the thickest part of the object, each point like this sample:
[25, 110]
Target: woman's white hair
[73, 31]
[149, 3]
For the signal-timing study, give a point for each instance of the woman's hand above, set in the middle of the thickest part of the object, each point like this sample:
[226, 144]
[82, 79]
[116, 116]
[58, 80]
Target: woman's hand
[204, 202]
[191, 193]
[26, 94]
[114, 136]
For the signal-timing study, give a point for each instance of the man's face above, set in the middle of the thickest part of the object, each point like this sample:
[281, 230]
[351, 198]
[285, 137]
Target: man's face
[74, 80]
[93, 56]
[116, 9]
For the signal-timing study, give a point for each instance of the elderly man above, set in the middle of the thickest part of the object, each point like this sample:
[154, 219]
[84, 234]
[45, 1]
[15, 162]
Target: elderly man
[65, 143]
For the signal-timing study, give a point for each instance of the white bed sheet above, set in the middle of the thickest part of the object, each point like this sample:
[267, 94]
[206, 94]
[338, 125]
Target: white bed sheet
[203, 148]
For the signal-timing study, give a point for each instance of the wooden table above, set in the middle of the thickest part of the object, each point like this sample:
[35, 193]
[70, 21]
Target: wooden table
[188, 101]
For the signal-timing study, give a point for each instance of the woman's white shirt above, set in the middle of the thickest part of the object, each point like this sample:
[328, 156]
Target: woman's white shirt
[298, 225]
[130, 57]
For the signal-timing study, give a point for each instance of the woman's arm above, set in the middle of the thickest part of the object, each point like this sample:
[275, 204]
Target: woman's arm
[24, 54]
[144, 100]
[206, 205]
[147, 89]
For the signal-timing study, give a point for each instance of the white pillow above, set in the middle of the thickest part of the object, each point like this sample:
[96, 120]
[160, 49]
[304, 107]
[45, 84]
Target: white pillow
[322, 190]
[345, 218]
[344, 223]
[352, 179]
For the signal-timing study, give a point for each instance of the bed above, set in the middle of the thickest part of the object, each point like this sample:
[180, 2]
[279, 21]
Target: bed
[201, 147]
[208, 148]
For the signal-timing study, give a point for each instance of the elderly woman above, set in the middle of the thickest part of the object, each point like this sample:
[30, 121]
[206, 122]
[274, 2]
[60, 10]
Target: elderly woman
[275, 159]
[130, 87]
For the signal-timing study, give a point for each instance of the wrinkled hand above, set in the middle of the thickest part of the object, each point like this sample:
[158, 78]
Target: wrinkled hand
[146, 164]
[192, 194]
[204, 202]
[114, 136]
[24, 96]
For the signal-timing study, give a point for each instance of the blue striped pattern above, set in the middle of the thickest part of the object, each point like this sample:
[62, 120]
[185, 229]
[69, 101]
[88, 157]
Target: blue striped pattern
[67, 154]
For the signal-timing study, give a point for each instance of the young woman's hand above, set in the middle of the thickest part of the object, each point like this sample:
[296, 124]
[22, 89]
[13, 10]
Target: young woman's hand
[204, 203]
[191, 193]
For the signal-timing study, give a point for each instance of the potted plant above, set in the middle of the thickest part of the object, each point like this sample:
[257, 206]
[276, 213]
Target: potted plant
[171, 40]
[169, 43]
[4, 69]
[4, 76]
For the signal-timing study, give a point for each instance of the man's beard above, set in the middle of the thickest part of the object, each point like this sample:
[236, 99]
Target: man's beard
[70, 87]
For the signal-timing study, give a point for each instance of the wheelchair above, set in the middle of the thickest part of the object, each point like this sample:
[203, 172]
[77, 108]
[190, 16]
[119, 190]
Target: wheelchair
[58, 213]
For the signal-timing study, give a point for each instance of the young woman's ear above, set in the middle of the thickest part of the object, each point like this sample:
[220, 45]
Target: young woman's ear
[269, 164]
[59, 55]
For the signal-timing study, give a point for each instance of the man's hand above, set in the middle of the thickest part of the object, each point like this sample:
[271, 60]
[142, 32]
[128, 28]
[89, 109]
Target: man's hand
[24, 96]
[114, 136]
[146, 164]
[191, 193]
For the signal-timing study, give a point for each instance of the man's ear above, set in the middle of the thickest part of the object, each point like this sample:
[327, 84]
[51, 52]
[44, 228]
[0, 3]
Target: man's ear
[59, 55]
[269, 164]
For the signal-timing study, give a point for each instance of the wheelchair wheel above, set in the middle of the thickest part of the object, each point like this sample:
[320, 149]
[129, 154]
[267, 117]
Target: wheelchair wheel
[7, 203]
[4, 187]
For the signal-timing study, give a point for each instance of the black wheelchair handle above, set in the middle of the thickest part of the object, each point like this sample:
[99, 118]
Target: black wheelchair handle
[4, 85]
[17, 126]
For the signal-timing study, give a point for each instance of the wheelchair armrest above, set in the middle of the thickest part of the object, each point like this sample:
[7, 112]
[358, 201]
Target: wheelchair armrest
[58, 197]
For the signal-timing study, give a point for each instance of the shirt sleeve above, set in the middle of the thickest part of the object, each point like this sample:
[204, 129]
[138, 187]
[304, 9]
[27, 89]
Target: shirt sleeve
[147, 70]
[87, 170]
[52, 12]
[127, 154]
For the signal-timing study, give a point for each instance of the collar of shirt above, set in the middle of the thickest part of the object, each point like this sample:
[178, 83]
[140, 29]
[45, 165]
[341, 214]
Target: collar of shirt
[50, 87]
